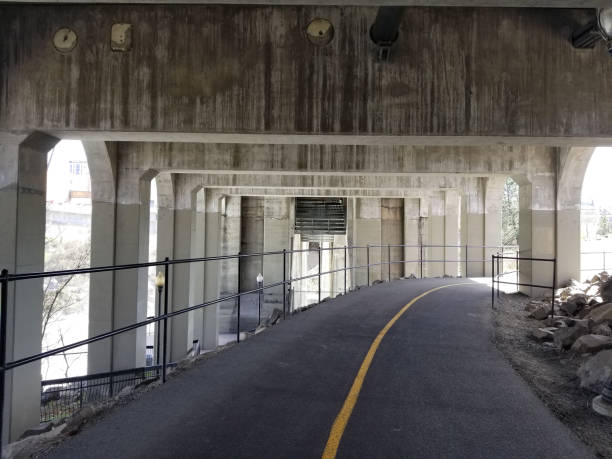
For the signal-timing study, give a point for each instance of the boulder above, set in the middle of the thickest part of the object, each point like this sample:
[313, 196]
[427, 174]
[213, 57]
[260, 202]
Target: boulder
[571, 307]
[595, 371]
[606, 290]
[601, 314]
[590, 344]
[580, 299]
[602, 329]
[543, 334]
[565, 337]
[540, 313]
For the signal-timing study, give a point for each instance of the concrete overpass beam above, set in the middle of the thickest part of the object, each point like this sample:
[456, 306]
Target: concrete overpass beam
[22, 206]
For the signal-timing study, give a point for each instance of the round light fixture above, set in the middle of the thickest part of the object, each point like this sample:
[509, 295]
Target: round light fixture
[320, 32]
[64, 40]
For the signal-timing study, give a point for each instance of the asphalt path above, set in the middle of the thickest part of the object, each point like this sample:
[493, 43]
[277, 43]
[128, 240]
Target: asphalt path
[437, 387]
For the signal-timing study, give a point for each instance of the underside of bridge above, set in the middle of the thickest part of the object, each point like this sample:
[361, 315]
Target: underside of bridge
[271, 127]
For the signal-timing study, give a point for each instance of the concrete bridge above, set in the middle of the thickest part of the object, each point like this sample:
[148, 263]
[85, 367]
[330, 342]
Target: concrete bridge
[240, 111]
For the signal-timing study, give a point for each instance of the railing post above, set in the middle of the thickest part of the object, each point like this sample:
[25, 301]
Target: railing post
[554, 287]
[319, 273]
[492, 281]
[345, 253]
[165, 354]
[368, 263]
[466, 261]
[239, 298]
[389, 260]
[498, 274]
[284, 283]
[3, 323]
[421, 259]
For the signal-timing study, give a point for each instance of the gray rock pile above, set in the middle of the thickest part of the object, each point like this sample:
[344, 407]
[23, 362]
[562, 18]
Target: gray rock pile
[582, 326]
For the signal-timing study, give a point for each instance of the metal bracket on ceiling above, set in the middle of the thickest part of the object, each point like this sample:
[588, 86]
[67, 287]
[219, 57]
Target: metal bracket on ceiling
[598, 29]
[385, 30]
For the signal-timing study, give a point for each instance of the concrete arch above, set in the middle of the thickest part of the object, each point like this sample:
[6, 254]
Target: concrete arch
[571, 169]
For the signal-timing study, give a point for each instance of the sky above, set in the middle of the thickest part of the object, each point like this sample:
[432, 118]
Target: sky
[597, 185]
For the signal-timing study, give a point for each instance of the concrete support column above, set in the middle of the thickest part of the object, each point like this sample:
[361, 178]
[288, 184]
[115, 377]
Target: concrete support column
[277, 236]
[101, 159]
[350, 239]
[392, 232]
[571, 167]
[338, 263]
[210, 326]
[473, 228]
[185, 246]
[492, 219]
[437, 232]
[296, 272]
[367, 230]
[230, 245]
[131, 246]
[22, 206]
[412, 235]
[451, 233]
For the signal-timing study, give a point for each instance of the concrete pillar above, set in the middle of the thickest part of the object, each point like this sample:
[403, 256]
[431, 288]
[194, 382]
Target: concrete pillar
[277, 232]
[210, 326]
[537, 230]
[452, 255]
[23, 182]
[185, 225]
[392, 232]
[473, 228]
[252, 240]
[165, 239]
[571, 167]
[296, 272]
[412, 235]
[326, 266]
[101, 159]
[367, 230]
[350, 239]
[338, 263]
[494, 187]
[435, 253]
[230, 245]
[196, 272]
[131, 246]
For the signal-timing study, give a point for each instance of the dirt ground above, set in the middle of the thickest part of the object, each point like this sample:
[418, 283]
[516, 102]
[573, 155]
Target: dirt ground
[551, 374]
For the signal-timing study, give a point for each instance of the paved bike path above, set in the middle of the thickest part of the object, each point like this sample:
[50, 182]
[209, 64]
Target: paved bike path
[437, 387]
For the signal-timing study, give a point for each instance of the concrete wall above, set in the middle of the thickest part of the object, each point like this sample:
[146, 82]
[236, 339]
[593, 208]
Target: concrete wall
[367, 230]
[392, 233]
[295, 87]
[230, 245]
[277, 231]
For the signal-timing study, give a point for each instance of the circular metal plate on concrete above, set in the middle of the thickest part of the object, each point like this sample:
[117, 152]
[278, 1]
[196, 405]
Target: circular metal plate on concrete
[320, 32]
[64, 40]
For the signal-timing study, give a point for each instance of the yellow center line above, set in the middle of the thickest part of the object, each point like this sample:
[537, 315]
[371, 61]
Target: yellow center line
[337, 430]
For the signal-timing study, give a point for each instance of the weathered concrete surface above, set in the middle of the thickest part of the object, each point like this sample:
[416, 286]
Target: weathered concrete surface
[294, 87]
[493, 3]
[23, 183]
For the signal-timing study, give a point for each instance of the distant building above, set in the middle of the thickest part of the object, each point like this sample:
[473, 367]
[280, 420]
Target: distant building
[68, 175]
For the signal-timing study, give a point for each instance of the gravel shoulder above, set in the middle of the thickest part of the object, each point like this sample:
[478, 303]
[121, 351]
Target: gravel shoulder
[550, 373]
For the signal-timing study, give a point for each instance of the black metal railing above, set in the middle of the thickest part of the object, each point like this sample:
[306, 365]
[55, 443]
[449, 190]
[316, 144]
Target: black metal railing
[162, 318]
[60, 398]
[497, 273]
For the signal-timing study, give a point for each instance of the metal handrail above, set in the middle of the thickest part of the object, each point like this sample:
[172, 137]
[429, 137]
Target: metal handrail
[6, 278]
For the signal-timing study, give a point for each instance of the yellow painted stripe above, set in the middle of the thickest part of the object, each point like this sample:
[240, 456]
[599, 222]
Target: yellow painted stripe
[337, 430]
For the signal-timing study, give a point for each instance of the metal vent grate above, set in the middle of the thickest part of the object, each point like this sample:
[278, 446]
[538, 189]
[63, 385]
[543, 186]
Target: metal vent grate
[320, 216]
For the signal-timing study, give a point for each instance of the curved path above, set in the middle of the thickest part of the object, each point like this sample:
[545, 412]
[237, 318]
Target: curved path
[436, 387]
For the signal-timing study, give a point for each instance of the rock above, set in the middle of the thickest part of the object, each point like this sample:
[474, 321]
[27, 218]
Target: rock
[579, 299]
[560, 323]
[274, 317]
[565, 337]
[604, 276]
[543, 334]
[80, 418]
[571, 307]
[602, 329]
[595, 301]
[125, 391]
[606, 290]
[595, 371]
[540, 313]
[377, 281]
[589, 344]
[601, 314]
[42, 428]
